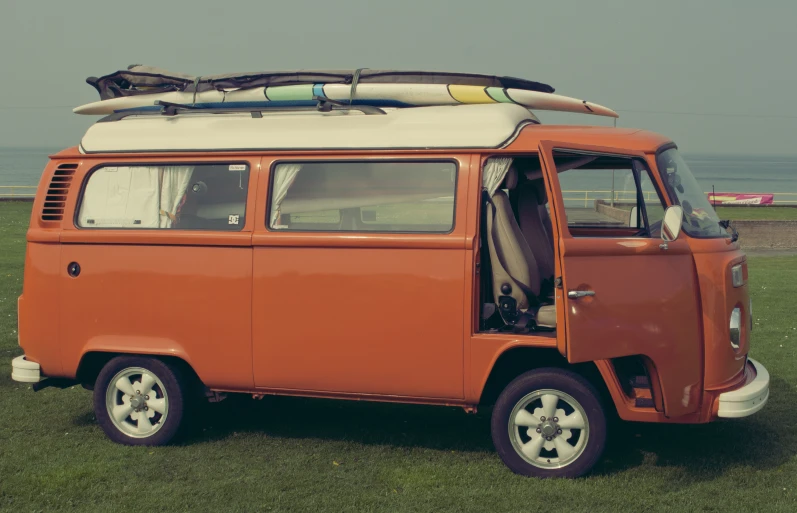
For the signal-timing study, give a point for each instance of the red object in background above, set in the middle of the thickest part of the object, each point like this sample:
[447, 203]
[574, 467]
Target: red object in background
[736, 198]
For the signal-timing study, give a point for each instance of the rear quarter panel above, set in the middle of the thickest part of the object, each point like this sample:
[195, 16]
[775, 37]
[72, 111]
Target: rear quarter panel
[185, 293]
[38, 306]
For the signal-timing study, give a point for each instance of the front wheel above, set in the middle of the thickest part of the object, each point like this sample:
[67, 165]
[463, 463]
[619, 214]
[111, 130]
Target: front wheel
[549, 423]
[139, 401]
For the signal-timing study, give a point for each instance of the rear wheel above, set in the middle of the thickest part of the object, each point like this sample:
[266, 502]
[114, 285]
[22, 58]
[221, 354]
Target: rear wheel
[549, 423]
[139, 401]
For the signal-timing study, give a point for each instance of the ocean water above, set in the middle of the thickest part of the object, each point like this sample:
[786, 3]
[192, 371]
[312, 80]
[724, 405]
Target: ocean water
[23, 166]
[778, 175]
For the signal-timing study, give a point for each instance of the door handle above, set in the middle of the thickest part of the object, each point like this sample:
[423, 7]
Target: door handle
[575, 294]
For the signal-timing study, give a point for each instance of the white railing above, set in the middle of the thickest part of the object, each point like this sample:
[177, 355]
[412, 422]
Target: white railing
[570, 196]
[589, 197]
[17, 191]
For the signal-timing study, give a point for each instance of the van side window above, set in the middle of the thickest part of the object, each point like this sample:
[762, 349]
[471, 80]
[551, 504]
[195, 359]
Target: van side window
[363, 196]
[178, 197]
[607, 196]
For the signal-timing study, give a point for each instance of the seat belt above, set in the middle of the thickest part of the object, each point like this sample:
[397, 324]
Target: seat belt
[546, 285]
[485, 265]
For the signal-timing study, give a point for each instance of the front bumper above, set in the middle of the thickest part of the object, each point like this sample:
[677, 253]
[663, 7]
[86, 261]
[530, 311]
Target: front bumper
[25, 371]
[748, 399]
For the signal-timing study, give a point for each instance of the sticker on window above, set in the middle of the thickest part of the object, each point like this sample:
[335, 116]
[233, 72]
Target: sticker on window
[233, 219]
[237, 167]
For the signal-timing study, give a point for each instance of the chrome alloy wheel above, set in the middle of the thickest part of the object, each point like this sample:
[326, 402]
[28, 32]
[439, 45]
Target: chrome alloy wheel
[548, 429]
[137, 402]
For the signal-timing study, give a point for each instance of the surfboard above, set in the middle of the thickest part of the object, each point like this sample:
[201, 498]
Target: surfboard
[376, 94]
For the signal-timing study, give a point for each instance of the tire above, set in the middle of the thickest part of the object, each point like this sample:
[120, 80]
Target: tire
[529, 452]
[164, 405]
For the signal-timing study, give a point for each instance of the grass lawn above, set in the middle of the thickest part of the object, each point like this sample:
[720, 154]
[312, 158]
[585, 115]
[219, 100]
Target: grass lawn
[758, 213]
[285, 454]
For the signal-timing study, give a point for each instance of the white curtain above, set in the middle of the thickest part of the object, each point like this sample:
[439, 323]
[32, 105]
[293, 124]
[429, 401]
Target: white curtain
[128, 197]
[494, 172]
[121, 197]
[174, 182]
[284, 175]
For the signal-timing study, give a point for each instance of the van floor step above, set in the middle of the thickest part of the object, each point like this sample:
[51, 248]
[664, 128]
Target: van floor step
[643, 398]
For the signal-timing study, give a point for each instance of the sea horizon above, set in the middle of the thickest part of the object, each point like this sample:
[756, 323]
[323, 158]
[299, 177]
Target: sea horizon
[740, 173]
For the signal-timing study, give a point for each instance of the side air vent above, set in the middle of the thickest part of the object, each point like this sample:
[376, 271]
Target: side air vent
[55, 201]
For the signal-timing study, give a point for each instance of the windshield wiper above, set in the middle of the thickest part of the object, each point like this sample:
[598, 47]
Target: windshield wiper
[726, 223]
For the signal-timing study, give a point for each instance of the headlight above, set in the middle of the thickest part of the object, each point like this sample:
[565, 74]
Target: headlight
[737, 275]
[736, 328]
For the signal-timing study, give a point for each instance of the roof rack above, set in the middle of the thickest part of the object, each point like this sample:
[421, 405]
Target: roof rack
[423, 128]
[172, 109]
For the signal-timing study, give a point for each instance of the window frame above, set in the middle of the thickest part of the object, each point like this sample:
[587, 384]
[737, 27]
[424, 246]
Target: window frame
[635, 171]
[94, 169]
[277, 162]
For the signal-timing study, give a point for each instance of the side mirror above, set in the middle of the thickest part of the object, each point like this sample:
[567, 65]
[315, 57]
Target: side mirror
[671, 225]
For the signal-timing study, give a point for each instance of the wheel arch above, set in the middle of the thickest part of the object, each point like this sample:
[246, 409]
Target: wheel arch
[92, 362]
[517, 360]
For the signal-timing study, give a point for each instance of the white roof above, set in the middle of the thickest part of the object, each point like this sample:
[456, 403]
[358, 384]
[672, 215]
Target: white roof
[460, 126]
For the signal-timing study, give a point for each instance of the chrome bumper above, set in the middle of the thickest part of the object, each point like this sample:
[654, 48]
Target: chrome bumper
[24, 371]
[748, 399]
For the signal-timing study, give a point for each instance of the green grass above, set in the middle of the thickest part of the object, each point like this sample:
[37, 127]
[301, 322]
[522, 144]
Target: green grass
[285, 454]
[758, 213]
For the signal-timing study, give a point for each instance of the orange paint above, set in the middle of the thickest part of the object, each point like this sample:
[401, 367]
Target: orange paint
[377, 316]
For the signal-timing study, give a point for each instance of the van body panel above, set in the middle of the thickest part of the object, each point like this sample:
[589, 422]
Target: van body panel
[380, 316]
[628, 140]
[366, 313]
[181, 300]
[645, 302]
[359, 320]
[38, 308]
[487, 348]
[185, 293]
[724, 365]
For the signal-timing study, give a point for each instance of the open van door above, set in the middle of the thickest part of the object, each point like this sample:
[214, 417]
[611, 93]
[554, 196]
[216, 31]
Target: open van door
[621, 291]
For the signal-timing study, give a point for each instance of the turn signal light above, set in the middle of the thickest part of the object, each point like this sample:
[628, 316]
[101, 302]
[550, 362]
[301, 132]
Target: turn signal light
[736, 328]
[737, 275]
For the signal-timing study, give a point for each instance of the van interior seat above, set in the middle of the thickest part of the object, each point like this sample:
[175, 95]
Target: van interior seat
[533, 218]
[515, 270]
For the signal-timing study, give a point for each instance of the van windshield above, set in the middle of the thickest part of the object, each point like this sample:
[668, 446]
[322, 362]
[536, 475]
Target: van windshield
[700, 219]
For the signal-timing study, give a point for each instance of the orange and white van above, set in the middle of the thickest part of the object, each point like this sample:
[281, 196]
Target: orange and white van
[451, 255]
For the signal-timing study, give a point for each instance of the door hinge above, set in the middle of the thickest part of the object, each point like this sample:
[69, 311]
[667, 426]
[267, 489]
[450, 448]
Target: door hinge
[558, 282]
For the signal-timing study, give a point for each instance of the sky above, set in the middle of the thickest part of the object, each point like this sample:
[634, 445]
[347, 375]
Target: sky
[715, 76]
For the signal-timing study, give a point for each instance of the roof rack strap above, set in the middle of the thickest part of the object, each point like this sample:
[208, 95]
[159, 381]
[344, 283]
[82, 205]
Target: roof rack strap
[354, 81]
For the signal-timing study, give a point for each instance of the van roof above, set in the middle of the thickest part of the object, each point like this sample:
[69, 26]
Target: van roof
[460, 126]
[604, 137]
[492, 126]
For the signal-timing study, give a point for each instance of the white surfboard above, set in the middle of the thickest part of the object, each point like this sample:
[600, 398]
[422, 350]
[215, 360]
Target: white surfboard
[377, 94]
